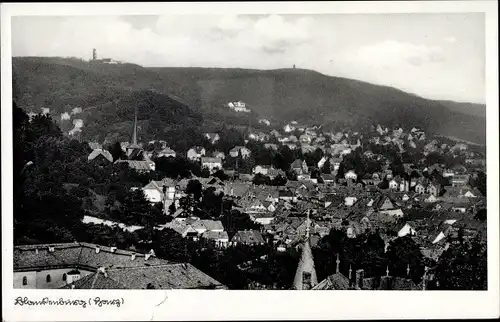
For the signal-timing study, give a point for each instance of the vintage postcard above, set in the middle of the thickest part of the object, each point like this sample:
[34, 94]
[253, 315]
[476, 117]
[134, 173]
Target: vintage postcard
[229, 161]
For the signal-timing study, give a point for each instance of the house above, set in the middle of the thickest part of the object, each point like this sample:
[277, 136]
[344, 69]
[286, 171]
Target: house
[195, 153]
[220, 238]
[212, 137]
[265, 122]
[211, 164]
[139, 166]
[322, 162]
[100, 156]
[420, 188]
[287, 195]
[166, 153]
[350, 200]
[328, 178]
[248, 237]
[273, 173]
[263, 218]
[81, 266]
[238, 106]
[433, 189]
[262, 169]
[299, 167]
[159, 191]
[305, 138]
[351, 175]
[240, 150]
[459, 180]
[218, 154]
[407, 229]
[289, 128]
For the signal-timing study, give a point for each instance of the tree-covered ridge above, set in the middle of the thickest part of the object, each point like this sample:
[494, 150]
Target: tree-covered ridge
[279, 95]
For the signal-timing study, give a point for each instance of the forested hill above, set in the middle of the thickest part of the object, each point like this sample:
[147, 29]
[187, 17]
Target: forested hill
[280, 95]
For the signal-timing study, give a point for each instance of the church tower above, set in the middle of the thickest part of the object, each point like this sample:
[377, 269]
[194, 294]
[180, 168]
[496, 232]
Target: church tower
[133, 146]
[305, 276]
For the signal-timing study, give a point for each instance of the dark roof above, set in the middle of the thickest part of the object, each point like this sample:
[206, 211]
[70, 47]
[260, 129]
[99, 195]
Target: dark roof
[248, 237]
[168, 276]
[336, 281]
[77, 254]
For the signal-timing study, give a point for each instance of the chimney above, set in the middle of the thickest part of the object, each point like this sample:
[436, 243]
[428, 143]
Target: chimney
[36, 250]
[360, 274]
[113, 249]
[133, 257]
[97, 250]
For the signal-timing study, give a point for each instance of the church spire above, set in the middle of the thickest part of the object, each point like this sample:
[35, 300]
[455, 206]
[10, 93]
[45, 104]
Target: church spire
[337, 269]
[134, 133]
[305, 276]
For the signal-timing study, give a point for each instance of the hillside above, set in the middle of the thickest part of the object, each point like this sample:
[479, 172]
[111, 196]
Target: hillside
[280, 95]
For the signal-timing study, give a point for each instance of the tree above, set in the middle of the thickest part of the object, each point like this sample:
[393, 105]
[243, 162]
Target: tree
[403, 252]
[463, 267]
[195, 189]
[279, 180]
[327, 167]
[260, 179]
[117, 152]
[221, 175]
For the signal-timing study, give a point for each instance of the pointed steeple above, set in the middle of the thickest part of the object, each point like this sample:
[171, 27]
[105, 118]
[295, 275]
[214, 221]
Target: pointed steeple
[408, 269]
[337, 269]
[134, 133]
[305, 276]
[387, 271]
[350, 272]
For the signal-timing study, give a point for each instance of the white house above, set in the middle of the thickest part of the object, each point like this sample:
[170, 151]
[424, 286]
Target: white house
[195, 153]
[264, 121]
[154, 191]
[243, 151]
[166, 152]
[407, 230]
[211, 163]
[262, 169]
[349, 201]
[351, 175]
[289, 128]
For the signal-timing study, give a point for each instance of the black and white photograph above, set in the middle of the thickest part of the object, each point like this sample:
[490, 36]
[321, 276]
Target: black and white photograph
[251, 151]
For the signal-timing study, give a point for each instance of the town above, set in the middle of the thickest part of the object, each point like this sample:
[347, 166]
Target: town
[292, 206]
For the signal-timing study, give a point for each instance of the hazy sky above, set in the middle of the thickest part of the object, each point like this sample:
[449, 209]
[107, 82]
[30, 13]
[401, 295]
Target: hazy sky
[439, 56]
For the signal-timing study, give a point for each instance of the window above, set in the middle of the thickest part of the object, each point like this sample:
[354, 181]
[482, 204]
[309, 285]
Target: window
[25, 280]
[49, 279]
[64, 277]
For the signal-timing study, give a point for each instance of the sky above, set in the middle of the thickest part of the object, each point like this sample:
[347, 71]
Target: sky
[437, 56]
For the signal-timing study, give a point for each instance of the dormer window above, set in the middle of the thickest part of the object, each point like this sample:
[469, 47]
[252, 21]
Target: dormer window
[25, 280]
[48, 278]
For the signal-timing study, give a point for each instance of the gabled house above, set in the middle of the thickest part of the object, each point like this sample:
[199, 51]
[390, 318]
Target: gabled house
[247, 237]
[139, 166]
[351, 175]
[211, 164]
[100, 156]
[195, 153]
[159, 191]
[299, 167]
[240, 150]
[167, 153]
[212, 137]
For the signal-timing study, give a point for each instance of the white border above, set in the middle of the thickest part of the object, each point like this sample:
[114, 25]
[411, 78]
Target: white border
[237, 305]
